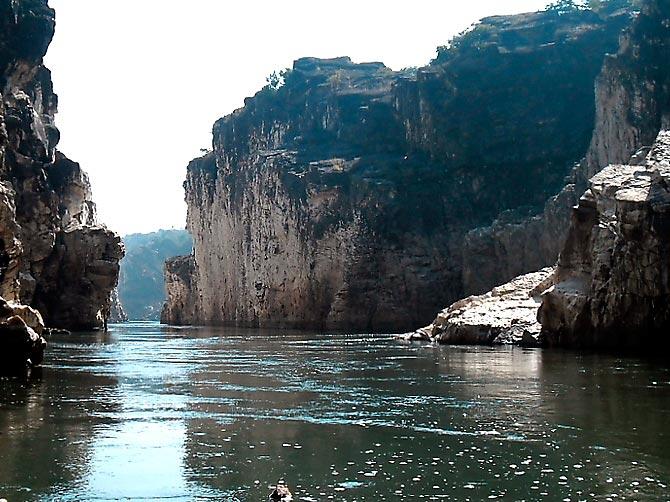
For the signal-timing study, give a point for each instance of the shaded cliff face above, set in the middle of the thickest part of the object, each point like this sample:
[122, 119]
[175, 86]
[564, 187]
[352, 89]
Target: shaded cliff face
[53, 255]
[341, 199]
[612, 275]
[610, 287]
[631, 99]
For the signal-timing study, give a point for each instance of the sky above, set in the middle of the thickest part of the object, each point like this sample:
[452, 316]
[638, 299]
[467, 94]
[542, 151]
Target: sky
[141, 82]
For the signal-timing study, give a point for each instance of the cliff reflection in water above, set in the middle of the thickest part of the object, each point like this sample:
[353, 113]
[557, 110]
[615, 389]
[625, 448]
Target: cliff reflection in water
[148, 411]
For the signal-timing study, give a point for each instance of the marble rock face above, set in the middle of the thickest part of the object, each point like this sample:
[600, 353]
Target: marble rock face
[53, 254]
[612, 285]
[505, 315]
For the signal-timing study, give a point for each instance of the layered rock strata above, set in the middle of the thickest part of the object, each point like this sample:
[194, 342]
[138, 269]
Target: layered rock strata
[53, 254]
[342, 199]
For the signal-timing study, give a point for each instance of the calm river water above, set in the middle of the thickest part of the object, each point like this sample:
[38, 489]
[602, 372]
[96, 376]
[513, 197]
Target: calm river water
[149, 412]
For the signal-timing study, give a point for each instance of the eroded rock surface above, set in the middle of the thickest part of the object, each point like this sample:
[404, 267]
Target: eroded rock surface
[342, 199]
[613, 277]
[53, 254]
[505, 315]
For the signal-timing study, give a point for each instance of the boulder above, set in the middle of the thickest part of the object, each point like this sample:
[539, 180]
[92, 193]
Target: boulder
[505, 315]
[21, 346]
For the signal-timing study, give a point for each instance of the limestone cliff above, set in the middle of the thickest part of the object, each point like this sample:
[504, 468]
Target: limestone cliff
[342, 198]
[53, 254]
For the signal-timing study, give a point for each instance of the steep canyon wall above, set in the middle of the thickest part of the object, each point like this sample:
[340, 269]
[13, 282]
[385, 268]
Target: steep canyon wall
[53, 254]
[345, 197]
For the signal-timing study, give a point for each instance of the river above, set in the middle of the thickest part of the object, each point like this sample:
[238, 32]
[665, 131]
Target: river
[151, 412]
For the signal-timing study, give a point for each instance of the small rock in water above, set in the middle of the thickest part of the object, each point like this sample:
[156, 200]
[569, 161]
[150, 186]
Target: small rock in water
[281, 493]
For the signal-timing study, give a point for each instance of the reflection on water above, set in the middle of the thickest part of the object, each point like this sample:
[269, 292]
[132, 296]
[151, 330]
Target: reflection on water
[148, 412]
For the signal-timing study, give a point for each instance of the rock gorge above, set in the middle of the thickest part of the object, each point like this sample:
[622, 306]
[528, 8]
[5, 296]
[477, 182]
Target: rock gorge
[356, 197]
[610, 286]
[54, 256]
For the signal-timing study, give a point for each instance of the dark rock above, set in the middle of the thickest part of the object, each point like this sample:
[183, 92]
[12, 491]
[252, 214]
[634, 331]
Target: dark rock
[53, 255]
[612, 280]
[281, 493]
[21, 346]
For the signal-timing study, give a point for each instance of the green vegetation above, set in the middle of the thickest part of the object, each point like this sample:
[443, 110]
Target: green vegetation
[277, 79]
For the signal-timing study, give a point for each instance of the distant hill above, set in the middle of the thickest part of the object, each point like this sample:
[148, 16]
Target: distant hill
[141, 284]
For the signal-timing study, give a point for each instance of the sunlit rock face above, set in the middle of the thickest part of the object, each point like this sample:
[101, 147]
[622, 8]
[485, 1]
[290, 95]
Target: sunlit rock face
[343, 198]
[613, 277]
[53, 254]
[505, 315]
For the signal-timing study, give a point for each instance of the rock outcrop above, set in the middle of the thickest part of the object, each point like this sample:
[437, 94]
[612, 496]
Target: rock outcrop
[505, 315]
[342, 199]
[610, 288]
[631, 98]
[180, 306]
[21, 342]
[612, 282]
[53, 254]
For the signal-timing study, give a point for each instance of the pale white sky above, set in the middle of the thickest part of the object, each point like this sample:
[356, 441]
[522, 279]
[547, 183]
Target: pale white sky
[141, 82]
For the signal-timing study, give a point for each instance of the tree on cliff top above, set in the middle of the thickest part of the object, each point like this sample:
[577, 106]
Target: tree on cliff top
[563, 6]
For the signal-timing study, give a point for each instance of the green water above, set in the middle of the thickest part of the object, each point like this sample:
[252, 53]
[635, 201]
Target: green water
[150, 413]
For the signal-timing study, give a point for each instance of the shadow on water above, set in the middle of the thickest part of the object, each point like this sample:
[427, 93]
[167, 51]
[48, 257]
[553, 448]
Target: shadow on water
[204, 413]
